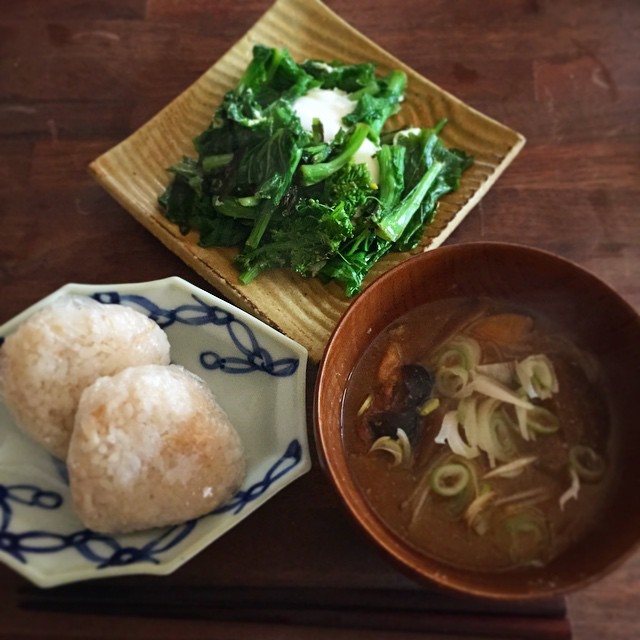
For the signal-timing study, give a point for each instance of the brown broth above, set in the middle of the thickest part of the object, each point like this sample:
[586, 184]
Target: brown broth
[435, 525]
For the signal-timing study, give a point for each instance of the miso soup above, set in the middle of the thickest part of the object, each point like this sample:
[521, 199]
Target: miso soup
[479, 433]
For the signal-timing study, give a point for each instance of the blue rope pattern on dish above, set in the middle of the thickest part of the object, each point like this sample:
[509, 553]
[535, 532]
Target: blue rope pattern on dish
[106, 551]
[290, 459]
[253, 356]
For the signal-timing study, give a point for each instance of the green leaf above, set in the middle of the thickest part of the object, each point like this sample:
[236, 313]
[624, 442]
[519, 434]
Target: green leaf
[266, 170]
[393, 223]
[301, 242]
[376, 108]
[314, 173]
[286, 198]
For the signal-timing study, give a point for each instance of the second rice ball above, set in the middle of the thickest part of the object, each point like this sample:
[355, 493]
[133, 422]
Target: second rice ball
[151, 447]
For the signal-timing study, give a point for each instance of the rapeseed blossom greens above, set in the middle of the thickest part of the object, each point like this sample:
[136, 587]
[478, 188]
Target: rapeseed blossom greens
[286, 197]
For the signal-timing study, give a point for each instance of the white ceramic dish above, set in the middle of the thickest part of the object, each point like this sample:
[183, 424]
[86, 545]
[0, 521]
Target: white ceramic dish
[258, 376]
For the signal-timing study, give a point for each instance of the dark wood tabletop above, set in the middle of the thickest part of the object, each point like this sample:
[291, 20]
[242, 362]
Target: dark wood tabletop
[78, 76]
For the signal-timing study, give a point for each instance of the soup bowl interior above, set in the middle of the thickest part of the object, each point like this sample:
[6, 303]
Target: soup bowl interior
[599, 320]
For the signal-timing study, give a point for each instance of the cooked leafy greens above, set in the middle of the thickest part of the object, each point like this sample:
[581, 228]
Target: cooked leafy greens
[288, 197]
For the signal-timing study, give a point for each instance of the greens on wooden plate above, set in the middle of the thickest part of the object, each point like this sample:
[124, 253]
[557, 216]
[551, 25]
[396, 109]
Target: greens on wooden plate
[296, 170]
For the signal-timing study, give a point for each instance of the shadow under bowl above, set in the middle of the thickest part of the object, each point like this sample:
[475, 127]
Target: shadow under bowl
[598, 319]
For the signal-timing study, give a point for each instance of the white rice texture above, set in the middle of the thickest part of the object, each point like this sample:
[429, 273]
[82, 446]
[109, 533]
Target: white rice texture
[61, 349]
[151, 447]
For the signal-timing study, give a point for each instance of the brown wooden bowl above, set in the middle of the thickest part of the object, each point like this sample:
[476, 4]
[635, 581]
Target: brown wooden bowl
[600, 319]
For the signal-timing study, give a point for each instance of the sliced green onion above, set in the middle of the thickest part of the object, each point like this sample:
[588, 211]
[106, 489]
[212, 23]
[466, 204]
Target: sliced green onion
[589, 466]
[462, 351]
[494, 389]
[452, 382]
[388, 445]
[503, 372]
[449, 434]
[429, 406]
[475, 509]
[405, 445]
[457, 505]
[511, 469]
[467, 415]
[486, 408]
[574, 489]
[542, 421]
[418, 496]
[365, 404]
[538, 377]
[528, 536]
[523, 425]
[501, 434]
[450, 479]
[527, 497]
[399, 447]
[481, 524]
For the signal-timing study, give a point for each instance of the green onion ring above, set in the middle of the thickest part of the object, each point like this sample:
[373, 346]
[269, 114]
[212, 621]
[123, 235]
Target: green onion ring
[450, 479]
[589, 465]
[542, 421]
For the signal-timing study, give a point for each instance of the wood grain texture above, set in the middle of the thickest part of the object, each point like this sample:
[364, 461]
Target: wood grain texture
[79, 76]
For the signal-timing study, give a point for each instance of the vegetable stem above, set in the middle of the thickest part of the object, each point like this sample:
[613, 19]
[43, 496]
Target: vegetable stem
[391, 226]
[235, 209]
[250, 188]
[314, 173]
[210, 163]
[260, 226]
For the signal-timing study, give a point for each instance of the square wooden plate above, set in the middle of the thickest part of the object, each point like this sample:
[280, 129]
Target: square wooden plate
[134, 171]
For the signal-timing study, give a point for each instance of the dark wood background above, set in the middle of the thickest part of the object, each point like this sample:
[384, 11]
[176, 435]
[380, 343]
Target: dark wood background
[77, 76]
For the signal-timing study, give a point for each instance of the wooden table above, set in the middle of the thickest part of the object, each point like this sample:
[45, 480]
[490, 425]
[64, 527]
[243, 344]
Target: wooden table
[77, 77]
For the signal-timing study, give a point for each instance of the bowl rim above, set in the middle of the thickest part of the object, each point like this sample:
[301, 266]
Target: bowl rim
[351, 496]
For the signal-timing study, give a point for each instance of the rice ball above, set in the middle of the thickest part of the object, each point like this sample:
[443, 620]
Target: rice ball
[151, 447]
[61, 349]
